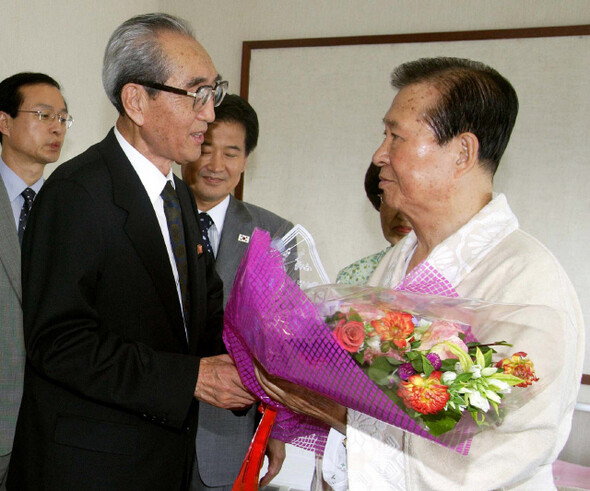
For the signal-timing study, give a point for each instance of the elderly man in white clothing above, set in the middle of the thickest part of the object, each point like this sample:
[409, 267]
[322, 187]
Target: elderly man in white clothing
[445, 133]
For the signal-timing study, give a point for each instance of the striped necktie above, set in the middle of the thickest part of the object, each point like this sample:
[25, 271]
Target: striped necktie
[176, 230]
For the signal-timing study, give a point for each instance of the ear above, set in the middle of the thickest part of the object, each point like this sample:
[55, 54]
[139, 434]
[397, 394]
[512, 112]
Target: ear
[468, 153]
[244, 164]
[4, 123]
[134, 100]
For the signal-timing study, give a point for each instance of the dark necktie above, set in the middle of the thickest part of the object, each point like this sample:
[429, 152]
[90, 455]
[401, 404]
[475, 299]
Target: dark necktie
[29, 196]
[176, 230]
[206, 222]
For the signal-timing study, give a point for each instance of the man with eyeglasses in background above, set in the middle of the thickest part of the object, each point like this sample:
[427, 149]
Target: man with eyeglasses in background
[33, 123]
[123, 308]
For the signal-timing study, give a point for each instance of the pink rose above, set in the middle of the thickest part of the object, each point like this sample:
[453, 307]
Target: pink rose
[439, 332]
[350, 335]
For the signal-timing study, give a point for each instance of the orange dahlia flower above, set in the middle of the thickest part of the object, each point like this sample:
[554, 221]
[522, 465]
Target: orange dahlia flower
[395, 326]
[519, 366]
[426, 396]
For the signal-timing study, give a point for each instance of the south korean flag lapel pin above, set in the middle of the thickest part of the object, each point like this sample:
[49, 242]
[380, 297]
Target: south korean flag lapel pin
[244, 238]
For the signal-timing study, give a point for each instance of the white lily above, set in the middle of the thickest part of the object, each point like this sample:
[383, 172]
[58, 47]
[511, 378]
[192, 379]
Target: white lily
[475, 370]
[492, 396]
[500, 385]
[448, 378]
[486, 372]
[479, 401]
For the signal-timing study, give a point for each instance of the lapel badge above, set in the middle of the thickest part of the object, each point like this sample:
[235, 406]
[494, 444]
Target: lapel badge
[244, 238]
[199, 249]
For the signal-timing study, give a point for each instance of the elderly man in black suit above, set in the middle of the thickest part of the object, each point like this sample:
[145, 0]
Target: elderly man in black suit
[122, 305]
[223, 436]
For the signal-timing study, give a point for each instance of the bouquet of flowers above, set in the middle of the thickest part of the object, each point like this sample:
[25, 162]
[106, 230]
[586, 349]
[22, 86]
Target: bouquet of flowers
[425, 366]
[437, 366]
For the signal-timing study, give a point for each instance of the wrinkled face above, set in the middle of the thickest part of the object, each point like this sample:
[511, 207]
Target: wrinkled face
[25, 139]
[395, 225]
[217, 171]
[416, 172]
[172, 130]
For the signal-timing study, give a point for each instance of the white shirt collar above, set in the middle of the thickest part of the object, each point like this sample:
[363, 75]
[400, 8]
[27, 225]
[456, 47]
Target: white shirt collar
[459, 253]
[152, 179]
[217, 214]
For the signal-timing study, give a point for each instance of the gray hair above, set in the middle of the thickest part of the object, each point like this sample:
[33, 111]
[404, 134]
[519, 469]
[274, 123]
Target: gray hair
[134, 53]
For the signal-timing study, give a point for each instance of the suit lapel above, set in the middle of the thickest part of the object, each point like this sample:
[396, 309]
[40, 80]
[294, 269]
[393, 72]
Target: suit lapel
[142, 227]
[238, 222]
[9, 246]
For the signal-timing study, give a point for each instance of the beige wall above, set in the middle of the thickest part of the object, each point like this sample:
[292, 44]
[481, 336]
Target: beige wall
[66, 38]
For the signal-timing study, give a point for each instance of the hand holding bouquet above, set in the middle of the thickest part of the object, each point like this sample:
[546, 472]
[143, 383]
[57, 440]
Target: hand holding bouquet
[377, 351]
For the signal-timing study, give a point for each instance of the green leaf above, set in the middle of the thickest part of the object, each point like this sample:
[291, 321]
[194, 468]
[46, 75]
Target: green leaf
[448, 365]
[508, 378]
[418, 365]
[393, 361]
[494, 404]
[463, 377]
[353, 315]
[412, 355]
[464, 358]
[380, 371]
[478, 417]
[385, 347]
[479, 359]
[488, 357]
[427, 367]
[442, 422]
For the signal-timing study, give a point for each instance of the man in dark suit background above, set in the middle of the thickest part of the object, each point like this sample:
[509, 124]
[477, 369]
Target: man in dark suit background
[223, 436]
[122, 305]
[33, 123]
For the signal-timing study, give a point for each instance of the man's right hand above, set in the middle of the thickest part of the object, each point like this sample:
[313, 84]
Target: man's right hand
[219, 384]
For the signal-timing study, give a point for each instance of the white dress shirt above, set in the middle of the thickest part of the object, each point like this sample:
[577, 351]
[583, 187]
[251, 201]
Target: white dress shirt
[153, 181]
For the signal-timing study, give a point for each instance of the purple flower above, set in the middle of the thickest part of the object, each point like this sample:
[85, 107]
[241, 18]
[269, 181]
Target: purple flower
[405, 371]
[434, 359]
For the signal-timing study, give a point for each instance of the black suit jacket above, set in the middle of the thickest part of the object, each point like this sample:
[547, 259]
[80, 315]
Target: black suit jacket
[109, 382]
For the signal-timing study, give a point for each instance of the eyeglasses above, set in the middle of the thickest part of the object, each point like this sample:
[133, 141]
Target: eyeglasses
[200, 97]
[64, 119]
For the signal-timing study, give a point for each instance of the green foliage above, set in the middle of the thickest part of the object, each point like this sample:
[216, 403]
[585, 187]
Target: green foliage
[442, 422]
[380, 371]
[448, 365]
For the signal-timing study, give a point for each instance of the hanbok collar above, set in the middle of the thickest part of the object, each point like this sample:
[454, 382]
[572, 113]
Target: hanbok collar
[456, 256]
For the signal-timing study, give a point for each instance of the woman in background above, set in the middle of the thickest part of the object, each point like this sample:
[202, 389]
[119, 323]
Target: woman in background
[394, 225]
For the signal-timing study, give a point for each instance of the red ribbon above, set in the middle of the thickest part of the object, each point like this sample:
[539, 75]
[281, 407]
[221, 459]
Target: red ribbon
[247, 479]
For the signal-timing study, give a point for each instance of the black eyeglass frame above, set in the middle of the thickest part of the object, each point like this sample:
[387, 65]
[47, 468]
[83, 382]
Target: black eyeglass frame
[196, 95]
